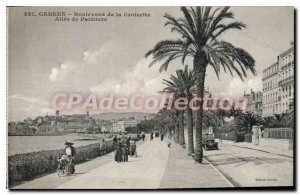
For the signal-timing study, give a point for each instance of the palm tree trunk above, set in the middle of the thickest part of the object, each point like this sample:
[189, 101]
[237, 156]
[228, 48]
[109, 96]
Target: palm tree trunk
[181, 128]
[189, 114]
[176, 137]
[200, 63]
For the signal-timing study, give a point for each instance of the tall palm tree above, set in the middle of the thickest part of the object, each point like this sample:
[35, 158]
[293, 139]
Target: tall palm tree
[169, 119]
[176, 86]
[200, 32]
[182, 85]
[188, 79]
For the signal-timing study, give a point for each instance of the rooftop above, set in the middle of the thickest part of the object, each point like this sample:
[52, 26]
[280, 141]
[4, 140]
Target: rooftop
[286, 52]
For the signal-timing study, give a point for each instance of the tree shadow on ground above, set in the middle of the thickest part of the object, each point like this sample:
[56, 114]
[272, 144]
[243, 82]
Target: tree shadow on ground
[220, 154]
[239, 161]
[80, 173]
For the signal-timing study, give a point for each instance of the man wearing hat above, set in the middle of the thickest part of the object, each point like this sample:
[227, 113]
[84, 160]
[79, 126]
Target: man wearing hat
[70, 153]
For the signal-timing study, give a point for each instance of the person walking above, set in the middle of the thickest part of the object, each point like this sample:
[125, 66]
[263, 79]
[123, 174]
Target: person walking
[151, 136]
[70, 152]
[161, 137]
[102, 147]
[115, 142]
[126, 150]
[156, 134]
[119, 153]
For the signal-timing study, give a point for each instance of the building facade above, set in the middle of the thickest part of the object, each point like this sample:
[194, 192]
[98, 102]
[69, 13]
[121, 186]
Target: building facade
[286, 78]
[121, 125]
[278, 84]
[254, 102]
[271, 100]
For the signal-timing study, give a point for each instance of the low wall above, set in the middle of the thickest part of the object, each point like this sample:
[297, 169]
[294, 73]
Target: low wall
[232, 136]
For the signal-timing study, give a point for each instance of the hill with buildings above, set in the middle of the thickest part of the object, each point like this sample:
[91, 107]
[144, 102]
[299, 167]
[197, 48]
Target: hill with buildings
[122, 115]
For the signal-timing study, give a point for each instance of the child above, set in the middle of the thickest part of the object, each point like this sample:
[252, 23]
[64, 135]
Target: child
[62, 161]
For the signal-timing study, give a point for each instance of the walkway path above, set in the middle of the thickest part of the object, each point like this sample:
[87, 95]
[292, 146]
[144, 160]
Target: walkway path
[183, 172]
[143, 172]
[156, 166]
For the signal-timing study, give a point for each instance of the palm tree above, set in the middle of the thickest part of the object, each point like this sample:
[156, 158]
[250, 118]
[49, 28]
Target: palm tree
[247, 120]
[290, 121]
[168, 118]
[188, 79]
[200, 31]
[269, 122]
[182, 85]
[175, 86]
[280, 119]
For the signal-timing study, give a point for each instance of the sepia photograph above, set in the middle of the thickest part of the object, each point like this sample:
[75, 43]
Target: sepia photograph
[150, 98]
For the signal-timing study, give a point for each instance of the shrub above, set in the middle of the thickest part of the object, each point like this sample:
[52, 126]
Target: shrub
[24, 167]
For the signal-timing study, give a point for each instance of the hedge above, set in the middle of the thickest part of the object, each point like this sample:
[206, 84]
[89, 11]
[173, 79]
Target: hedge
[24, 167]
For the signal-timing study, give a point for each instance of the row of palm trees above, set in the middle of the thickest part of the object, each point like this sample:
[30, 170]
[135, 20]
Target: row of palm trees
[199, 31]
[182, 85]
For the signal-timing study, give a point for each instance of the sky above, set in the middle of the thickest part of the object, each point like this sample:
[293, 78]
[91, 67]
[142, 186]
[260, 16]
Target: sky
[47, 57]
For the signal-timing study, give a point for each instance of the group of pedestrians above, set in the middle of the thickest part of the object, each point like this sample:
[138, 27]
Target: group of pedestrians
[156, 135]
[123, 148]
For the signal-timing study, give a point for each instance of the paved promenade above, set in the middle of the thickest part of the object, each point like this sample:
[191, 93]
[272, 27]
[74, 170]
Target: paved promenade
[273, 146]
[143, 172]
[183, 172]
[156, 167]
[246, 167]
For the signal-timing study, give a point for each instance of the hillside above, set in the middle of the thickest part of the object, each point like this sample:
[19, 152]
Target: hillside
[120, 115]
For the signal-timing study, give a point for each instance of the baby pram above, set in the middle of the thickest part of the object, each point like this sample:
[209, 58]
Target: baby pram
[132, 148]
[64, 168]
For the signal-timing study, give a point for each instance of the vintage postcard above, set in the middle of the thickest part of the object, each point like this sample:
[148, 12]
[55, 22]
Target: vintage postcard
[150, 97]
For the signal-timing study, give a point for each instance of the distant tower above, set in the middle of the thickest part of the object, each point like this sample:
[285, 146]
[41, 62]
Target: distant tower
[87, 113]
[57, 113]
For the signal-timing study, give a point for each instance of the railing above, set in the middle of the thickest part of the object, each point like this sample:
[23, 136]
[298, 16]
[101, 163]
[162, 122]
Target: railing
[278, 133]
[232, 136]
